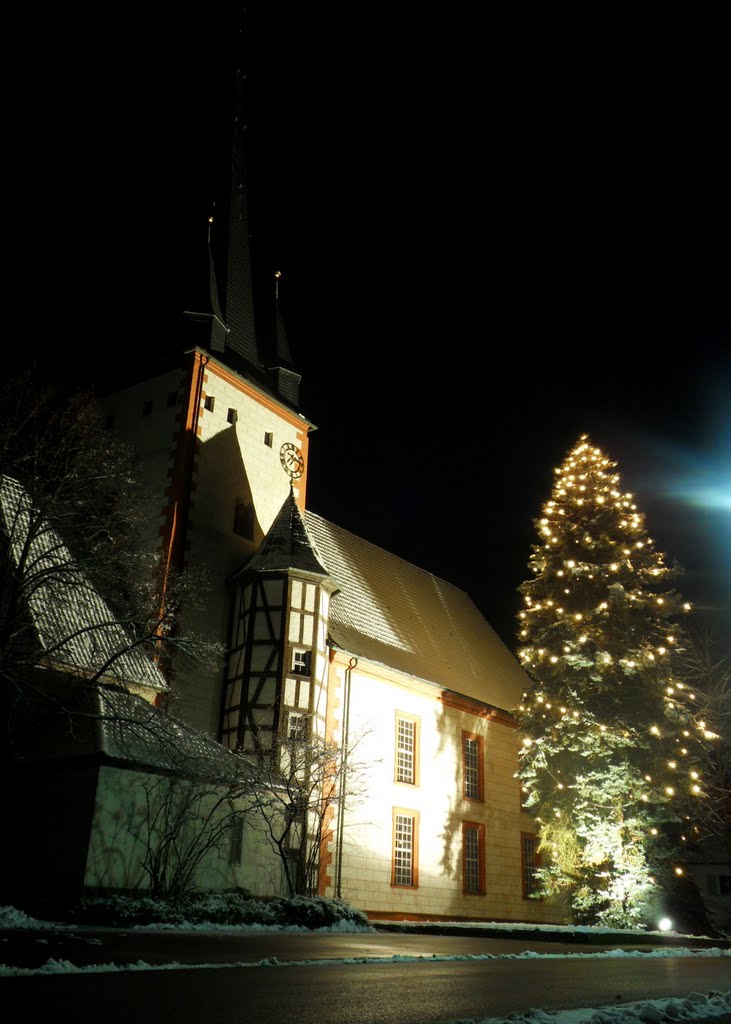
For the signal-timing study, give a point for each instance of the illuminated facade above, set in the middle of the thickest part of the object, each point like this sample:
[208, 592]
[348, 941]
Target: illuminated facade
[328, 638]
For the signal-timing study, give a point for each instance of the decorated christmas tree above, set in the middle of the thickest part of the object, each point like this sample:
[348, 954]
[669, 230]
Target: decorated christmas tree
[611, 752]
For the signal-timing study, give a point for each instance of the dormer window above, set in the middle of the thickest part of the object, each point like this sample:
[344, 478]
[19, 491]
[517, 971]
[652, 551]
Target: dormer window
[301, 661]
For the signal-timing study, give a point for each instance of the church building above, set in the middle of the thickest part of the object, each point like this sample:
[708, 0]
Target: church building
[327, 637]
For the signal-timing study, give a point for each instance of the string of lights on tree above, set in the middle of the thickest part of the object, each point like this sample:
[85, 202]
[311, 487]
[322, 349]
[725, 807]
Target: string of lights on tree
[611, 747]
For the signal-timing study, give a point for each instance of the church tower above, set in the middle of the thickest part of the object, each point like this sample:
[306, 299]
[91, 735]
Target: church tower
[221, 441]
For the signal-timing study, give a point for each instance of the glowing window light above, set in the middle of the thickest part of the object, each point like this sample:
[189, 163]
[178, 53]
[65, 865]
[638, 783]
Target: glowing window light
[670, 791]
[672, 764]
[654, 730]
[694, 775]
[560, 572]
[660, 600]
[578, 616]
[554, 659]
[648, 778]
[571, 564]
[653, 831]
[604, 605]
[679, 872]
[695, 788]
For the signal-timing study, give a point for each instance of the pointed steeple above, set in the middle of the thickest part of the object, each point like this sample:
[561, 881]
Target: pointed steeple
[229, 327]
[287, 545]
[239, 286]
[287, 381]
[219, 330]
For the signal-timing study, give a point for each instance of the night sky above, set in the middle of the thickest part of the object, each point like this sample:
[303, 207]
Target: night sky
[493, 238]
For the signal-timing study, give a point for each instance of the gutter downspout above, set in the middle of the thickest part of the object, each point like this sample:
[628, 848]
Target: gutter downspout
[343, 774]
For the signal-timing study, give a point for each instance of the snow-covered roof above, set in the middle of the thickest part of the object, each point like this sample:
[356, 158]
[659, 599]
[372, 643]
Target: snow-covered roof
[75, 628]
[287, 545]
[390, 612]
[124, 728]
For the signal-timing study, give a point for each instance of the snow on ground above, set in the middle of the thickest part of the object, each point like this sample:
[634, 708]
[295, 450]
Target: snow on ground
[694, 1006]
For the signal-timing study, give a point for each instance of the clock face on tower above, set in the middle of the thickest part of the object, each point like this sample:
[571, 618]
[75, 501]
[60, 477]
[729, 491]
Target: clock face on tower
[292, 460]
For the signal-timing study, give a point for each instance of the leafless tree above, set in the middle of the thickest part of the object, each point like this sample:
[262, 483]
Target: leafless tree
[81, 601]
[299, 788]
[181, 823]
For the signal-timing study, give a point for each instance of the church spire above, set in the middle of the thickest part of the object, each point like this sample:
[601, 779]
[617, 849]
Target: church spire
[239, 287]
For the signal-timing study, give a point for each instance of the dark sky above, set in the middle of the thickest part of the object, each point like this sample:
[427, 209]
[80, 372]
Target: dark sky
[494, 237]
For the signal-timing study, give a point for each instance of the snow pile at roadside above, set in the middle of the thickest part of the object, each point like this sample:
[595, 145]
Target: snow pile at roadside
[695, 1006]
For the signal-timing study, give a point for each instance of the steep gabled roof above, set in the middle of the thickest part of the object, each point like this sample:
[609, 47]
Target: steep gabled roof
[287, 545]
[74, 628]
[397, 615]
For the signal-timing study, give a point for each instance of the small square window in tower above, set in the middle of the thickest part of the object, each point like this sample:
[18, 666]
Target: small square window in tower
[301, 661]
[209, 403]
[231, 416]
[297, 727]
[268, 438]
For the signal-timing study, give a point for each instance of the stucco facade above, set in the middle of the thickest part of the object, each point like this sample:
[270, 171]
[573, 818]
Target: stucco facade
[328, 633]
